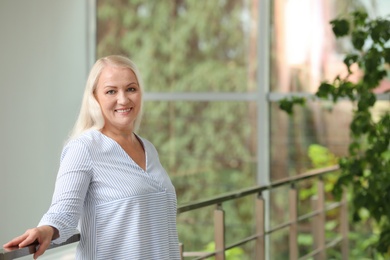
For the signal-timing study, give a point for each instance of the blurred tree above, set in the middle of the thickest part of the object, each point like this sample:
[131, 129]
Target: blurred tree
[366, 168]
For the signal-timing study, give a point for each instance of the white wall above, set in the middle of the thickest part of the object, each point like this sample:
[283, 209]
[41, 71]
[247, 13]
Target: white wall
[44, 60]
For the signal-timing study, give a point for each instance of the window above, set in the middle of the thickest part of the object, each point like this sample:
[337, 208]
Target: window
[198, 61]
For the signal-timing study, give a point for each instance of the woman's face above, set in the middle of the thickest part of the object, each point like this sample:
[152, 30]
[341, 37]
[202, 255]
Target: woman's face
[119, 97]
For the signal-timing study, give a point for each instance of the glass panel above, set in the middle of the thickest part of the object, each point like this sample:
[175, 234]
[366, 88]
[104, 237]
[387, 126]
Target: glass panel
[196, 229]
[189, 45]
[314, 137]
[279, 244]
[304, 51]
[306, 241]
[206, 147]
[301, 45]
[320, 129]
[240, 224]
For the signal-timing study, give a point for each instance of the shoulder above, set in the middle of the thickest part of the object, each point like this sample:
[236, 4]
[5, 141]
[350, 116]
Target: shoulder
[84, 143]
[88, 138]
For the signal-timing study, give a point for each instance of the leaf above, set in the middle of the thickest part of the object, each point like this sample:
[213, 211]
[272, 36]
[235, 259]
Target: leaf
[349, 60]
[386, 55]
[286, 105]
[340, 27]
[320, 156]
[325, 90]
[380, 31]
[359, 18]
[354, 148]
[372, 60]
[358, 39]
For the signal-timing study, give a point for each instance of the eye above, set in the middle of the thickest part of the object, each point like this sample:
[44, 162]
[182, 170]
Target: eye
[131, 89]
[111, 92]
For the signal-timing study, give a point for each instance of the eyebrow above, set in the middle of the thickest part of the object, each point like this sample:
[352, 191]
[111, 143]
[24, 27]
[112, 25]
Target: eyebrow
[114, 86]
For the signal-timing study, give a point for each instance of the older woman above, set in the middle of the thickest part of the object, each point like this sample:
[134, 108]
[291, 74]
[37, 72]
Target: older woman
[110, 182]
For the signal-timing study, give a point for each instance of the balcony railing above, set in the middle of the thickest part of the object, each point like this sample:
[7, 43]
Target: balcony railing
[261, 232]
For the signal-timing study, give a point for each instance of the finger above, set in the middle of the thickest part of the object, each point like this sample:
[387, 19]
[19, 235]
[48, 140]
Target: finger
[41, 249]
[31, 238]
[16, 241]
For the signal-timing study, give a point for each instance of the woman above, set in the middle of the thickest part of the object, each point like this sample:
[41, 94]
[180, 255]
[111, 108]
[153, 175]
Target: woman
[110, 181]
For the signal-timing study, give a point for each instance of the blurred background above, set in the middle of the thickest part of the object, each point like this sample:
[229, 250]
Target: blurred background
[213, 72]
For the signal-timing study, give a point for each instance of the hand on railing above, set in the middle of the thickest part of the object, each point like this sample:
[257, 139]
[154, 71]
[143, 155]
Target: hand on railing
[41, 235]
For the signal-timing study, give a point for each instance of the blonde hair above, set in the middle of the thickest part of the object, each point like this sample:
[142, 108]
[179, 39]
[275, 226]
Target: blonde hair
[90, 116]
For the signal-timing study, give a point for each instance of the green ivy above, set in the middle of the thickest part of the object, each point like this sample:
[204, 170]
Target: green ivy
[366, 169]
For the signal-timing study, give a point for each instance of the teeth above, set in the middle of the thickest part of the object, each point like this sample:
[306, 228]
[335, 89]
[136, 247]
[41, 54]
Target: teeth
[123, 110]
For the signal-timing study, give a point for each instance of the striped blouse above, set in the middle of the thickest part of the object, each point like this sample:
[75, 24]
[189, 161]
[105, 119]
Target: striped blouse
[121, 211]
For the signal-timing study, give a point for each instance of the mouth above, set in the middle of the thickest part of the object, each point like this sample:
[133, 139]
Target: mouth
[123, 110]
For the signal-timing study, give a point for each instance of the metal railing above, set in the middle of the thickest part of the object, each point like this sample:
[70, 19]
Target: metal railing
[15, 252]
[318, 214]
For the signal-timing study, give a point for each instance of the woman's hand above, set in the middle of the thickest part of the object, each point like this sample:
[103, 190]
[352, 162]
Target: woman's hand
[43, 235]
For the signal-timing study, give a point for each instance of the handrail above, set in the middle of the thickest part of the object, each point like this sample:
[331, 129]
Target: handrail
[255, 189]
[259, 235]
[16, 252]
[12, 253]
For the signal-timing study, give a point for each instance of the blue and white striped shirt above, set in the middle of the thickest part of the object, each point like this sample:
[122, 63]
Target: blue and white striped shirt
[122, 211]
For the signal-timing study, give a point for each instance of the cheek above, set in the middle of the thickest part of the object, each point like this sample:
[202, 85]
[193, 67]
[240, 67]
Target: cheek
[104, 105]
[137, 99]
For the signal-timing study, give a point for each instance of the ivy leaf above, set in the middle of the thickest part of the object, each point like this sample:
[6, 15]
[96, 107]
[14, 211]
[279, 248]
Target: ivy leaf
[356, 168]
[361, 123]
[346, 89]
[349, 60]
[372, 60]
[359, 18]
[286, 105]
[340, 27]
[386, 55]
[380, 31]
[366, 100]
[343, 181]
[372, 79]
[325, 90]
[358, 39]
[354, 148]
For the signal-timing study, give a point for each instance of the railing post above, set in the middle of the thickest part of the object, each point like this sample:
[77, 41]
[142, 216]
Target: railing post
[260, 228]
[321, 219]
[219, 232]
[293, 197]
[181, 248]
[344, 226]
[314, 224]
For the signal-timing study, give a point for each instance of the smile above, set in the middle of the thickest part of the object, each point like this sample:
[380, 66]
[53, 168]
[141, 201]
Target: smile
[123, 110]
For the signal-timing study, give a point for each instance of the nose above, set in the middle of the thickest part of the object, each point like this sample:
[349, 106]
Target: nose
[123, 98]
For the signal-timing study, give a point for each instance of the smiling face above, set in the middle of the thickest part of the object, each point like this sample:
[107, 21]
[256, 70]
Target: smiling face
[119, 96]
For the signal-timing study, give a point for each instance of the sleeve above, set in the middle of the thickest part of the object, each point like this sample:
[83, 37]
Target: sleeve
[73, 179]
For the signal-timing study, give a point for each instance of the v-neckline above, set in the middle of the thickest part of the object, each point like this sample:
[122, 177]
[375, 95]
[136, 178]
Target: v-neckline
[128, 156]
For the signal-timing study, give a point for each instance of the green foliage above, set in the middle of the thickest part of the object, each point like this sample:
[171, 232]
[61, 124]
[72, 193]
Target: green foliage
[232, 254]
[321, 156]
[287, 104]
[366, 170]
[362, 235]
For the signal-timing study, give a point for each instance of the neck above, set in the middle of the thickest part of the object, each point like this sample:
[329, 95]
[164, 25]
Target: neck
[118, 135]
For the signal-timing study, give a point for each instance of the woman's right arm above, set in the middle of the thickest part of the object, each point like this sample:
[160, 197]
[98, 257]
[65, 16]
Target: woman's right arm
[72, 183]
[70, 190]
